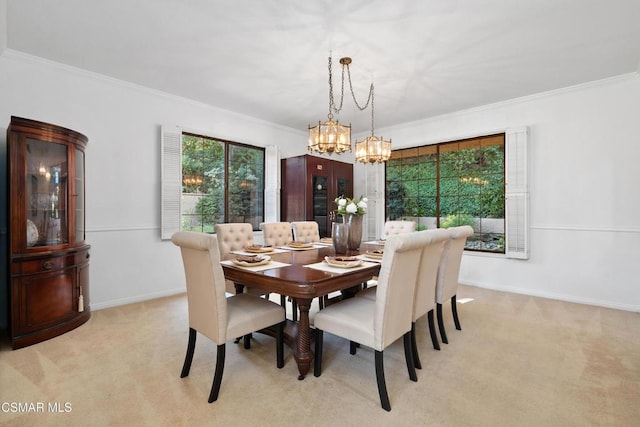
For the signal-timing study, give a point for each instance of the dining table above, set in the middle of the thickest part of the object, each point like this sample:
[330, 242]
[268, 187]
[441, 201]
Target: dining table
[304, 274]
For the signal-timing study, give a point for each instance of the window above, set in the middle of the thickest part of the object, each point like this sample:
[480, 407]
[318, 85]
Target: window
[451, 184]
[206, 181]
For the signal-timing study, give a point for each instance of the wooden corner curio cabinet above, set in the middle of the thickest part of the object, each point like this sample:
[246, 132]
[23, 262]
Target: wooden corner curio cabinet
[48, 257]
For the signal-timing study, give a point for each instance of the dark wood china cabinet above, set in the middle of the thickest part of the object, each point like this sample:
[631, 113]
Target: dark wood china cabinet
[310, 185]
[48, 256]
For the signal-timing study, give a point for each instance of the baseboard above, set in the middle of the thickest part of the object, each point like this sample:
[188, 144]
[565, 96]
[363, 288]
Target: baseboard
[137, 298]
[559, 297]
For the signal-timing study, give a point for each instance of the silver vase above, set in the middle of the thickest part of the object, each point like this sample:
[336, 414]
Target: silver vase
[340, 236]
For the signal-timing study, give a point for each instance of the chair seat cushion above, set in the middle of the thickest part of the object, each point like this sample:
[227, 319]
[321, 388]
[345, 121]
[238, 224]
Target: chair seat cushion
[249, 313]
[369, 293]
[351, 319]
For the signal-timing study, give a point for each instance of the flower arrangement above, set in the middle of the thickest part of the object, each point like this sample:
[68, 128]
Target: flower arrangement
[351, 206]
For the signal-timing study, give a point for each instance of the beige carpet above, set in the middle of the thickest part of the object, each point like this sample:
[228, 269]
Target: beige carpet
[519, 361]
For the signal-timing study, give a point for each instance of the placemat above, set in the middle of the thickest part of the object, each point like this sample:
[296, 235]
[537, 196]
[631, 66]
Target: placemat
[272, 264]
[323, 266]
[274, 251]
[314, 246]
[366, 258]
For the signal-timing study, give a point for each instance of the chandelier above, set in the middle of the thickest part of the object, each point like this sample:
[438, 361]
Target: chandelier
[334, 137]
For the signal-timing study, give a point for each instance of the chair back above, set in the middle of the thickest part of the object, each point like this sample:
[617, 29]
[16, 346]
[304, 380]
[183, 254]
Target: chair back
[396, 287]
[449, 269]
[305, 231]
[392, 228]
[233, 237]
[277, 233]
[425, 297]
[205, 283]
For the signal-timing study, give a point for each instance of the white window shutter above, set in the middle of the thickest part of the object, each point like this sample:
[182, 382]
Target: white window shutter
[271, 184]
[171, 180]
[517, 193]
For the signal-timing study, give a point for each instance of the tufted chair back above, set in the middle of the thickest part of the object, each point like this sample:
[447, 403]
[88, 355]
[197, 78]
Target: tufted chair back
[233, 237]
[277, 233]
[398, 227]
[305, 231]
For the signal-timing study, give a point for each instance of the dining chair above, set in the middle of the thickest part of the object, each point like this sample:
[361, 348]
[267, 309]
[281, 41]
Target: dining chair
[448, 274]
[424, 300]
[280, 234]
[235, 236]
[305, 231]
[214, 315]
[398, 227]
[277, 233]
[380, 322]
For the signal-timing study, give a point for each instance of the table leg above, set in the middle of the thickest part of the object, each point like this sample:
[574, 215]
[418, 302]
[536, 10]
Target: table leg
[302, 354]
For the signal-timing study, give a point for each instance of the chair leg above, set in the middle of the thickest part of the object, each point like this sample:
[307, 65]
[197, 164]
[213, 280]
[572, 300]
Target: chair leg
[317, 362]
[283, 300]
[443, 334]
[247, 341]
[408, 356]
[414, 347]
[432, 331]
[294, 306]
[280, 345]
[217, 378]
[191, 346]
[454, 310]
[352, 347]
[382, 385]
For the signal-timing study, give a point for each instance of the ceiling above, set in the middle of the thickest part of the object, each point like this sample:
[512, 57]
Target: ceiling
[268, 58]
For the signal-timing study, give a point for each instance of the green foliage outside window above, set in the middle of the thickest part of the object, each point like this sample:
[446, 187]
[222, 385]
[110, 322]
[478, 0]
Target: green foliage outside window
[205, 180]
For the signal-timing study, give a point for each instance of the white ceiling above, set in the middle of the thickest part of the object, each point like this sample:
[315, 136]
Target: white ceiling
[268, 58]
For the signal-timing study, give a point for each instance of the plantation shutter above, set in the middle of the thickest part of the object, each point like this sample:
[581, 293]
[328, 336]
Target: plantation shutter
[271, 184]
[517, 194]
[171, 180]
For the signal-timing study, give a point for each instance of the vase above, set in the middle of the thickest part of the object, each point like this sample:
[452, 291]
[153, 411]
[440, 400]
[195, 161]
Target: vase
[355, 231]
[340, 236]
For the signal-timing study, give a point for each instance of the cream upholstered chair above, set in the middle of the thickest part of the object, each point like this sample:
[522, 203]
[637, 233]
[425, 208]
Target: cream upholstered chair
[380, 322]
[305, 231]
[213, 314]
[448, 273]
[398, 227]
[277, 233]
[425, 296]
[234, 237]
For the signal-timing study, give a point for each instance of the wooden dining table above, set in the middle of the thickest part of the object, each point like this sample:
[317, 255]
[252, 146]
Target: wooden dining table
[303, 284]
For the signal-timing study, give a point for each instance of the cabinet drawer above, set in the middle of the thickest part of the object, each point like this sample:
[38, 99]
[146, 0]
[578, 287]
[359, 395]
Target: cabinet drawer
[43, 265]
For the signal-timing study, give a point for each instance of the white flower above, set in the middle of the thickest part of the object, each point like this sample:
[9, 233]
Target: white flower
[362, 204]
[352, 208]
[364, 199]
[342, 202]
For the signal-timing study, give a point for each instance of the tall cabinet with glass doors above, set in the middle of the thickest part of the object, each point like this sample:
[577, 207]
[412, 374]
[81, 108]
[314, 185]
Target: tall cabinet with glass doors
[48, 256]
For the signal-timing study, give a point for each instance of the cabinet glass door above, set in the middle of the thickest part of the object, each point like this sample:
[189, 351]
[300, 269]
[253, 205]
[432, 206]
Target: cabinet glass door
[46, 193]
[79, 195]
[320, 203]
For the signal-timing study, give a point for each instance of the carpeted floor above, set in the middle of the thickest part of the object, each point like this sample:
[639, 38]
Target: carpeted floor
[518, 361]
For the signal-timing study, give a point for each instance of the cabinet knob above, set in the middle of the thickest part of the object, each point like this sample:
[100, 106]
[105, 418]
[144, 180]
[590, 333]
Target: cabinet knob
[47, 265]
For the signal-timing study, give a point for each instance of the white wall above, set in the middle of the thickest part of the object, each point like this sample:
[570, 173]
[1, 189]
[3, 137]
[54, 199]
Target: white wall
[129, 262]
[585, 226]
[584, 194]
